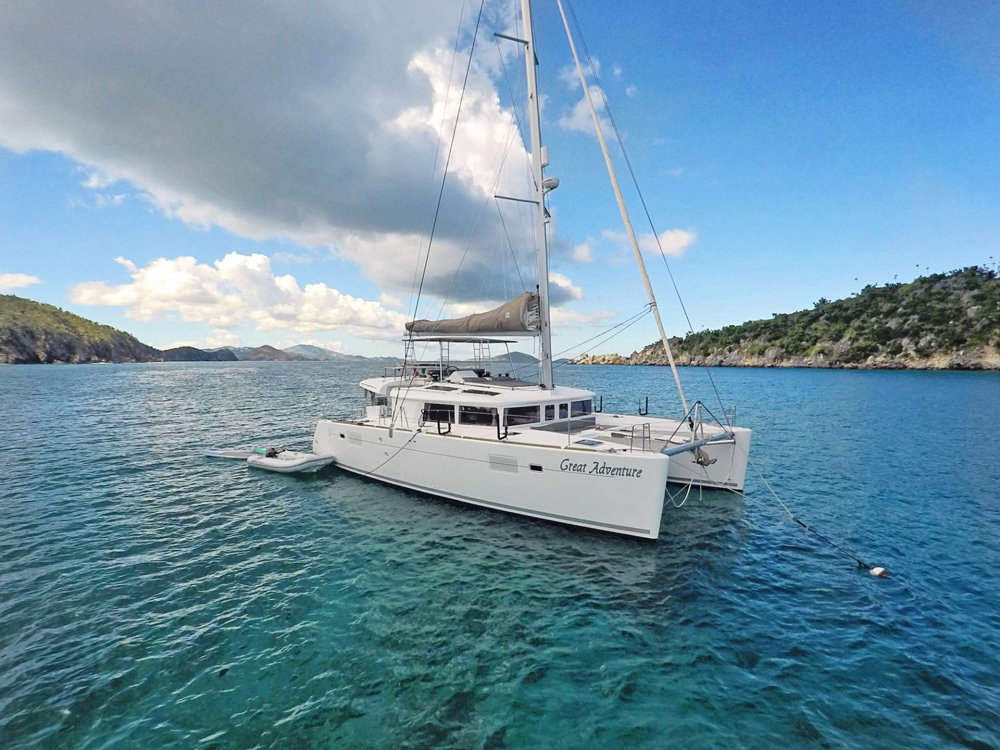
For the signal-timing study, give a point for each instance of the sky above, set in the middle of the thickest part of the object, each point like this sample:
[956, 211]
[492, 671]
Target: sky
[267, 172]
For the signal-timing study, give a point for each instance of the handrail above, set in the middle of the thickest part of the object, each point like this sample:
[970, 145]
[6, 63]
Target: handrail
[644, 413]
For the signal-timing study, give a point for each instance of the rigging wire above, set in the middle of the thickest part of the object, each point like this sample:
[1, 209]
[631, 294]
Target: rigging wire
[437, 147]
[635, 182]
[510, 245]
[479, 217]
[440, 197]
[877, 571]
[447, 162]
[627, 323]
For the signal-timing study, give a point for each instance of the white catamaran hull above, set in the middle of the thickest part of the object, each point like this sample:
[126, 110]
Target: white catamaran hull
[616, 492]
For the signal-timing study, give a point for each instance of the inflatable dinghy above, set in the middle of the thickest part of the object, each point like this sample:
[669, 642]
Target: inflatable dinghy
[288, 462]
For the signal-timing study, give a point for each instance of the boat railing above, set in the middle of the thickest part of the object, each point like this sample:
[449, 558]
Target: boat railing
[644, 437]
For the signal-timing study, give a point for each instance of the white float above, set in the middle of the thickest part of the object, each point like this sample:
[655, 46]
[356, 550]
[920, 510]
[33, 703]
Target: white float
[289, 462]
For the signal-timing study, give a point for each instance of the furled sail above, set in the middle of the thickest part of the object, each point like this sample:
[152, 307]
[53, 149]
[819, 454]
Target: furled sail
[520, 315]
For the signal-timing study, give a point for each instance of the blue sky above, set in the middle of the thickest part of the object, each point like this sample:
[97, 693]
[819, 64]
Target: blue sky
[799, 146]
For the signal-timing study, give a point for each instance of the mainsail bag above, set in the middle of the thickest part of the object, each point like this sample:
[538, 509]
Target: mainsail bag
[520, 315]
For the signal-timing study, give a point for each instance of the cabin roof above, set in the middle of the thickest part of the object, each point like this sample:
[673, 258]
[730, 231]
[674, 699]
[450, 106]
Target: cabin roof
[477, 392]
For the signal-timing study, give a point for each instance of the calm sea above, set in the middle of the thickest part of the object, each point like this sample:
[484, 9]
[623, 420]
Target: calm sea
[150, 597]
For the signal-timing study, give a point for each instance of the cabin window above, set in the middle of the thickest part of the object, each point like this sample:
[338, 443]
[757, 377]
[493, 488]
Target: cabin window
[522, 415]
[550, 412]
[581, 408]
[439, 413]
[563, 411]
[478, 415]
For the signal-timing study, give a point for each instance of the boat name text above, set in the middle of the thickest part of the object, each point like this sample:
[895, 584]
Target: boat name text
[599, 467]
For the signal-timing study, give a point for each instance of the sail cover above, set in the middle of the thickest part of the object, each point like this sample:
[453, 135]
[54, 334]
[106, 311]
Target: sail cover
[520, 315]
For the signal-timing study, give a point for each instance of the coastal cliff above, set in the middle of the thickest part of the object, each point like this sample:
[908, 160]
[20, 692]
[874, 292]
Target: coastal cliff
[945, 321]
[35, 333]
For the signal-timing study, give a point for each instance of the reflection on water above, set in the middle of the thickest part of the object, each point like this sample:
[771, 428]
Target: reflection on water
[155, 598]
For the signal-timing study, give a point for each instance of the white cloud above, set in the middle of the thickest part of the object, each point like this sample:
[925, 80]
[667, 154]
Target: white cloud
[304, 126]
[583, 253]
[10, 281]
[106, 200]
[563, 283]
[221, 337]
[676, 171]
[673, 241]
[568, 74]
[389, 301]
[562, 318]
[297, 258]
[579, 119]
[631, 90]
[235, 291]
[616, 71]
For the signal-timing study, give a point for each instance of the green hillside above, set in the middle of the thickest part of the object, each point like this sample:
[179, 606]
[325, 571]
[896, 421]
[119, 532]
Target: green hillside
[32, 332]
[943, 321]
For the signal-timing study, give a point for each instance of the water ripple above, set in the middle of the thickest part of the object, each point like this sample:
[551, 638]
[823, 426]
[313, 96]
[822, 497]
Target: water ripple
[153, 598]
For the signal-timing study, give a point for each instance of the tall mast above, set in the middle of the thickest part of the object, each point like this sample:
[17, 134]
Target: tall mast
[537, 174]
[624, 212]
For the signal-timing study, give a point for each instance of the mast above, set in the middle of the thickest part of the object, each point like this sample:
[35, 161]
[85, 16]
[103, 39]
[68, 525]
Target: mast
[624, 212]
[537, 174]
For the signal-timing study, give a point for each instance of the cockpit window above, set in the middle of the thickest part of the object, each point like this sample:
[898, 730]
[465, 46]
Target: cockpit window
[522, 415]
[478, 415]
[581, 408]
[439, 413]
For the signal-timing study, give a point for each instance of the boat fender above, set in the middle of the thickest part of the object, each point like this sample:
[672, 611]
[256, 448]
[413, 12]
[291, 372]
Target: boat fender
[879, 572]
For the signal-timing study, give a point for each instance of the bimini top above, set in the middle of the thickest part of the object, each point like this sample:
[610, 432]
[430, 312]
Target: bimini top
[463, 340]
[519, 316]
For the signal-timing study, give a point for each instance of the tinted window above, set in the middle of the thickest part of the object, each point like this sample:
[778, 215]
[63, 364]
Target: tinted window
[563, 411]
[582, 407]
[550, 412]
[439, 413]
[477, 415]
[522, 415]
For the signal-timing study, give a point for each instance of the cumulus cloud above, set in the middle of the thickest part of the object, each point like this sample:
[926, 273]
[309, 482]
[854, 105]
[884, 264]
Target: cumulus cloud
[562, 318]
[569, 76]
[278, 120]
[631, 90]
[563, 284]
[10, 281]
[389, 301]
[674, 242]
[583, 253]
[234, 291]
[578, 119]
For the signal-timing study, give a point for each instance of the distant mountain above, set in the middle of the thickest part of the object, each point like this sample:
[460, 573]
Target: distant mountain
[268, 353]
[519, 358]
[191, 354]
[946, 321]
[35, 333]
[238, 351]
[316, 352]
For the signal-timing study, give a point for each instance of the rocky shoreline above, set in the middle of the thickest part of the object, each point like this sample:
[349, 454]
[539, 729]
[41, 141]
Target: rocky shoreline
[986, 358]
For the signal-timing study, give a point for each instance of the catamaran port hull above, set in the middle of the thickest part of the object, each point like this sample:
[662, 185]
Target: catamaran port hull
[615, 492]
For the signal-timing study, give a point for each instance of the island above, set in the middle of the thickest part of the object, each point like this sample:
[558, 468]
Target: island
[945, 321]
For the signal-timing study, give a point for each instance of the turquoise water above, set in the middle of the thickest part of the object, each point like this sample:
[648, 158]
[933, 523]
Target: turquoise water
[154, 598]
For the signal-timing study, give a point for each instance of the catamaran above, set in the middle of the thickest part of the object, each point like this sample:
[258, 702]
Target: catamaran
[467, 431]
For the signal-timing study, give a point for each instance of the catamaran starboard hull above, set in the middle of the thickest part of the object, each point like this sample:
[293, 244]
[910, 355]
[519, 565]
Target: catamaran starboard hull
[619, 493]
